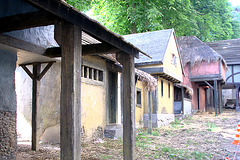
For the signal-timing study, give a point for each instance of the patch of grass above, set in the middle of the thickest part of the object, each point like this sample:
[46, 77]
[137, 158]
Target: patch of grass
[142, 139]
[173, 153]
[211, 126]
[175, 123]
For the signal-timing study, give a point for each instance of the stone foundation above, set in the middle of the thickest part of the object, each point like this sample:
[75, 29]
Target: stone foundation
[8, 135]
[158, 120]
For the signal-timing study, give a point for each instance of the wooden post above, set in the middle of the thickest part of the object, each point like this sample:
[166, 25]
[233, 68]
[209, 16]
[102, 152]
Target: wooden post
[36, 77]
[70, 104]
[150, 112]
[182, 90]
[35, 106]
[237, 98]
[128, 105]
[220, 98]
[215, 98]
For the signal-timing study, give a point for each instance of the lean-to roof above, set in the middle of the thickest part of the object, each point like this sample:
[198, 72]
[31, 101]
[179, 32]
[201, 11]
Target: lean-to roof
[229, 49]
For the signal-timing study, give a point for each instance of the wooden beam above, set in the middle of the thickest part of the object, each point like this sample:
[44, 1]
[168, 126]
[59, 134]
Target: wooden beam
[35, 106]
[36, 76]
[26, 20]
[20, 44]
[45, 70]
[93, 49]
[93, 28]
[209, 85]
[220, 98]
[215, 98]
[150, 112]
[237, 98]
[70, 104]
[128, 104]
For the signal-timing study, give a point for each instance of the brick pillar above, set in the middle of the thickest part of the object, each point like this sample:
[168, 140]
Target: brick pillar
[8, 135]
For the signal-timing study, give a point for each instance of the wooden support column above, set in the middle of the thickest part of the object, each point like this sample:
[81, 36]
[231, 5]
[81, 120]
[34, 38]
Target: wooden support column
[220, 98]
[215, 98]
[237, 98]
[35, 106]
[128, 104]
[36, 76]
[182, 90]
[150, 112]
[70, 104]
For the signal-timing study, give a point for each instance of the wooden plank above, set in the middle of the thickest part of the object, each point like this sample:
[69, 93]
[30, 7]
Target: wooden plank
[93, 49]
[26, 20]
[20, 44]
[149, 112]
[128, 104]
[27, 71]
[215, 98]
[45, 70]
[93, 28]
[35, 106]
[182, 91]
[237, 98]
[70, 104]
[220, 97]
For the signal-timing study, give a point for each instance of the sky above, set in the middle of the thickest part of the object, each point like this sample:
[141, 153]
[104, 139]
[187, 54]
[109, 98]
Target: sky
[235, 2]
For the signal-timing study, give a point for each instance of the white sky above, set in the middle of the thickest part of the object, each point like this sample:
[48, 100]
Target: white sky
[235, 2]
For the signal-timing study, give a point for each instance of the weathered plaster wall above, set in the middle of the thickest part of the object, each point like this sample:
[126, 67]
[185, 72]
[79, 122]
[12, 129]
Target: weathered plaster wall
[165, 103]
[8, 136]
[223, 71]
[41, 36]
[93, 111]
[174, 70]
[143, 109]
[205, 68]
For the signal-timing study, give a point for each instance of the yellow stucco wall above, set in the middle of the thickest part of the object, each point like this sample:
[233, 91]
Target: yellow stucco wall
[140, 110]
[93, 111]
[165, 103]
[174, 70]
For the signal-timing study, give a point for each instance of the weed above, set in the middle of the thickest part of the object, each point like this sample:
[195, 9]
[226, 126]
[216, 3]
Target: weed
[211, 126]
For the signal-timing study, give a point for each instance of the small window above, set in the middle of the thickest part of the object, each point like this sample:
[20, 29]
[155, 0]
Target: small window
[92, 73]
[174, 61]
[162, 87]
[169, 88]
[139, 99]
[86, 69]
[100, 75]
[95, 74]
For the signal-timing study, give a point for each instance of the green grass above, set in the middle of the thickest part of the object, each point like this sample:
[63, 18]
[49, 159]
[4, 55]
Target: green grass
[211, 126]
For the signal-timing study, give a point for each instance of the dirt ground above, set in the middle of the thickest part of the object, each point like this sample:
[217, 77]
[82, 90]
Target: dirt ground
[202, 136]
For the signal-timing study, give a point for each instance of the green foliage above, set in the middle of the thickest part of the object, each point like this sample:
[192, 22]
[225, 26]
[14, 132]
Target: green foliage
[209, 20]
[80, 5]
[211, 126]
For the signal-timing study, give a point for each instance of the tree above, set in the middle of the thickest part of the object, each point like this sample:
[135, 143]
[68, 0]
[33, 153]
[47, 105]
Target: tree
[236, 22]
[209, 20]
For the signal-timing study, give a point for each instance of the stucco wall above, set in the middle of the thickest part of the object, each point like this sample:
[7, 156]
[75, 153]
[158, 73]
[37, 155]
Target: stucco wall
[8, 136]
[93, 102]
[140, 110]
[174, 70]
[165, 103]
[205, 68]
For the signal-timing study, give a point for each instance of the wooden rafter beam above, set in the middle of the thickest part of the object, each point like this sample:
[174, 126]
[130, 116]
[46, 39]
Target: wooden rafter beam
[26, 20]
[93, 49]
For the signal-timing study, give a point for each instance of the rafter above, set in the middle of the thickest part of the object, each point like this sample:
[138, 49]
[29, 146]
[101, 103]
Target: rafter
[26, 20]
[93, 49]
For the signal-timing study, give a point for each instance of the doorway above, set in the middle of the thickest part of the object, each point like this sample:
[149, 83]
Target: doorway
[112, 97]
